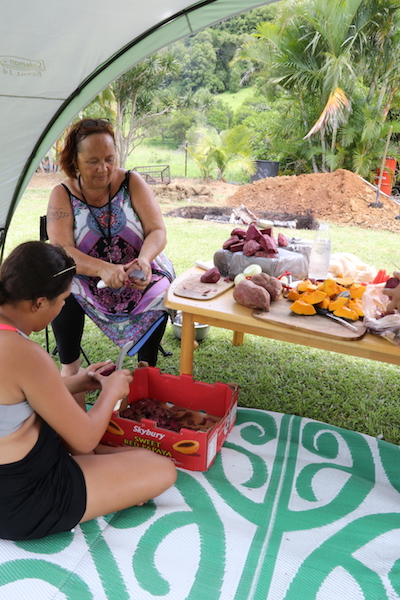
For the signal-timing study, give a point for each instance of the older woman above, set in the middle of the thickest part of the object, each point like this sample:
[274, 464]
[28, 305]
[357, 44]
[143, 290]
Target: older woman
[110, 223]
[43, 489]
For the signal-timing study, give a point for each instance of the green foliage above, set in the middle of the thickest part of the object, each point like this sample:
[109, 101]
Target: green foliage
[230, 148]
[338, 62]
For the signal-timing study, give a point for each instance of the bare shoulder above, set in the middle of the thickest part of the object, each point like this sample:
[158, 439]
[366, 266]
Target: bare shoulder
[17, 350]
[59, 206]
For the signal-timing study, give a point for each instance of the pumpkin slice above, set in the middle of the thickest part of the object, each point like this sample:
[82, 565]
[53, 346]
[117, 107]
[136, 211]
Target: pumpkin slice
[344, 281]
[324, 304]
[293, 295]
[337, 303]
[303, 308]
[331, 288]
[305, 285]
[356, 306]
[346, 313]
[357, 290]
[313, 297]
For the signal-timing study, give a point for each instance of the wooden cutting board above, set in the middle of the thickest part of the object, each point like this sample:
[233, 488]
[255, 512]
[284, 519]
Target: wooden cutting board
[192, 287]
[280, 314]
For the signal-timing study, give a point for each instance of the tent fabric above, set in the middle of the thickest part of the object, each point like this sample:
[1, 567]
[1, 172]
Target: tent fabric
[56, 57]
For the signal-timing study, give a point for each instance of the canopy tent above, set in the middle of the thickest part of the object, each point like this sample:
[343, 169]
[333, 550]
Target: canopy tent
[56, 57]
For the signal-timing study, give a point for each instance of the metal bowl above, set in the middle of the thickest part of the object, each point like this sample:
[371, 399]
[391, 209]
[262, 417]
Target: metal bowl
[200, 331]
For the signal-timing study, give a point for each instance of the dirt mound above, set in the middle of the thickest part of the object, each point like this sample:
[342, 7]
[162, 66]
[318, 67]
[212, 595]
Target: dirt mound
[341, 197]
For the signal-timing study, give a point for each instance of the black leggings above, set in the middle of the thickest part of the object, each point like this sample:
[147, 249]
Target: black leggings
[68, 331]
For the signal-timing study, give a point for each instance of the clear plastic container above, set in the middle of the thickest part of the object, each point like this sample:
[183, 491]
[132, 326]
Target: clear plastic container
[320, 254]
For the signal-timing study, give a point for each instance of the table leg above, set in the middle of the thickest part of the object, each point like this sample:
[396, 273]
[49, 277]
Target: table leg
[187, 344]
[238, 338]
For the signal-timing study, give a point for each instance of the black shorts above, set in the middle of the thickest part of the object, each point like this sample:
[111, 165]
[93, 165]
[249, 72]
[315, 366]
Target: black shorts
[42, 494]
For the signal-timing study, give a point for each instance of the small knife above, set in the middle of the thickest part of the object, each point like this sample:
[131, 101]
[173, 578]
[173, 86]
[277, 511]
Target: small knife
[326, 313]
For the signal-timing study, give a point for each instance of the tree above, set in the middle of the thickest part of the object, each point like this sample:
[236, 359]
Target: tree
[138, 100]
[322, 53]
[228, 149]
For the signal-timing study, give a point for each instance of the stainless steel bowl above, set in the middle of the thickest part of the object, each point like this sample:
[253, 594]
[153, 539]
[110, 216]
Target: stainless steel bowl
[200, 331]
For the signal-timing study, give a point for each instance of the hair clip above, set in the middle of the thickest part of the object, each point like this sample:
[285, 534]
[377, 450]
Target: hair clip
[65, 271]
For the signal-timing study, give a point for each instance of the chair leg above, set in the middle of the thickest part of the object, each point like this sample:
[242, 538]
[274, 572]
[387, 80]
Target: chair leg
[85, 355]
[164, 352]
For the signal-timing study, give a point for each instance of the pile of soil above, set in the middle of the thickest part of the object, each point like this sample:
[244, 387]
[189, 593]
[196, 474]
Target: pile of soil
[341, 197]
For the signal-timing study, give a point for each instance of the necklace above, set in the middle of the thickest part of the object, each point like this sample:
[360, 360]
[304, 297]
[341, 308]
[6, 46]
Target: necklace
[106, 236]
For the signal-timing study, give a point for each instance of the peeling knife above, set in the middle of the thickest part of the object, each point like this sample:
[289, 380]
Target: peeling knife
[325, 313]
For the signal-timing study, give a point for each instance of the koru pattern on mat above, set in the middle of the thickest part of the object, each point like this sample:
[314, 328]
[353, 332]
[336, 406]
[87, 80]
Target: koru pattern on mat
[292, 509]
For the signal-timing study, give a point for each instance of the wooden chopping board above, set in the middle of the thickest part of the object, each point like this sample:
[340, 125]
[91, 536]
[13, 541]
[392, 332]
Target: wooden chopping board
[192, 287]
[280, 314]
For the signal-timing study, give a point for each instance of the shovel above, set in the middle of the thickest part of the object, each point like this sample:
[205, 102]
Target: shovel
[325, 313]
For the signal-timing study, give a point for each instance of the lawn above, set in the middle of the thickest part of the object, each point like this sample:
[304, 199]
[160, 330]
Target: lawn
[348, 392]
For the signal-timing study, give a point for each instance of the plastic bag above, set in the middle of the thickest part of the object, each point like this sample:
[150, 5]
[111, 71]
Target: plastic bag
[231, 264]
[374, 305]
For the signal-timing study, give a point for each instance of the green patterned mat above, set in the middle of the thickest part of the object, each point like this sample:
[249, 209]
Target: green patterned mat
[292, 509]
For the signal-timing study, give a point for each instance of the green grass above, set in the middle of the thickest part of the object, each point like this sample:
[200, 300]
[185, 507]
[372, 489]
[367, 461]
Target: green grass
[348, 392]
[236, 100]
[152, 154]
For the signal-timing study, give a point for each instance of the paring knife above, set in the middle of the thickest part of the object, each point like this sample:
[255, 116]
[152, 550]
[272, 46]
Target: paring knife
[325, 313]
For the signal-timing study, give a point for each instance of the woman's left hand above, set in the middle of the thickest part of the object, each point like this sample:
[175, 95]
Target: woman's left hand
[139, 264]
[83, 382]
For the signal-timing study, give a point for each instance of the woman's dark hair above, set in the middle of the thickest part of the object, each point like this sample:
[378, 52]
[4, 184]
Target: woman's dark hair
[34, 270]
[78, 132]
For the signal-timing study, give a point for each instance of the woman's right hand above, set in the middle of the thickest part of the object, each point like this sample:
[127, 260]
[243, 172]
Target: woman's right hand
[394, 295]
[116, 384]
[114, 276]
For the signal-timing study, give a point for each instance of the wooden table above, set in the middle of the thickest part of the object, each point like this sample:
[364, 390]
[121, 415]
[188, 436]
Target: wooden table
[224, 312]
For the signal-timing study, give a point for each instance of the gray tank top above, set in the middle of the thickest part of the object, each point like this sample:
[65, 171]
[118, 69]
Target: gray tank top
[12, 416]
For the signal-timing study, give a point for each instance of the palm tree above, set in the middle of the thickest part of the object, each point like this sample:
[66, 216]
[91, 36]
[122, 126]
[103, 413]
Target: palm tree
[320, 51]
[228, 149]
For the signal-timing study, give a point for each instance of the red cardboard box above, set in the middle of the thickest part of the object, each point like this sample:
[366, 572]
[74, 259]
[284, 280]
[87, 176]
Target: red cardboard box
[193, 450]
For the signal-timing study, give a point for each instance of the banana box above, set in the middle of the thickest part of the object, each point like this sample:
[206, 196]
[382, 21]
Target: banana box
[205, 414]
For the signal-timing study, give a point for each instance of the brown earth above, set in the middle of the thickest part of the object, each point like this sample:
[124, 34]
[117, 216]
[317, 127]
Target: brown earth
[341, 197]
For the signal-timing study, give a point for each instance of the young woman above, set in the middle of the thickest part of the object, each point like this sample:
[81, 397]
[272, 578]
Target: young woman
[43, 489]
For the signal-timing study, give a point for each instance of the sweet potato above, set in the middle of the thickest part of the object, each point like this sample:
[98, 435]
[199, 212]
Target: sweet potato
[238, 247]
[253, 233]
[268, 244]
[230, 241]
[269, 283]
[241, 233]
[250, 247]
[282, 240]
[251, 295]
[211, 276]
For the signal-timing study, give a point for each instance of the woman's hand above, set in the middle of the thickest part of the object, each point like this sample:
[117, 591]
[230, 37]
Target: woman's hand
[84, 380]
[114, 276]
[394, 294]
[139, 264]
[116, 384]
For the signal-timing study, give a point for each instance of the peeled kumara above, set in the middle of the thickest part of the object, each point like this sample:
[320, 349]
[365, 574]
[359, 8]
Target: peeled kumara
[211, 276]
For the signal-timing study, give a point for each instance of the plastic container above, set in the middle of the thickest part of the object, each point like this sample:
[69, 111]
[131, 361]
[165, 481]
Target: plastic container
[320, 254]
[265, 168]
[388, 176]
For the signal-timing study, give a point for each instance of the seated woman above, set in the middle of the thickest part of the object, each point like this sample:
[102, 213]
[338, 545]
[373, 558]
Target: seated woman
[43, 489]
[108, 220]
